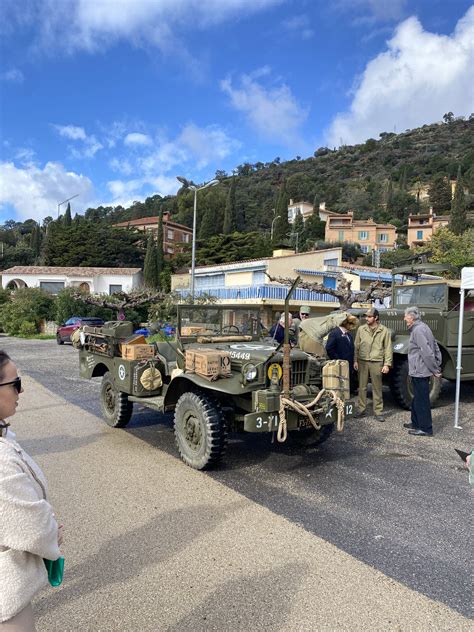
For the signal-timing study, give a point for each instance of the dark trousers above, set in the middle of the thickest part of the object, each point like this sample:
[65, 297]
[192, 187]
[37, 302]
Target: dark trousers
[420, 406]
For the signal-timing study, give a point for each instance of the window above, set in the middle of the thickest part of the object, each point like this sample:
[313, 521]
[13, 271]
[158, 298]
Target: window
[113, 289]
[420, 295]
[363, 234]
[170, 234]
[340, 235]
[185, 238]
[258, 277]
[383, 237]
[211, 280]
[365, 249]
[330, 262]
[53, 287]
[419, 234]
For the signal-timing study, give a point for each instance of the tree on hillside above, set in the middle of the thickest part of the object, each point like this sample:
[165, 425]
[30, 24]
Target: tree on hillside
[35, 241]
[67, 218]
[314, 229]
[298, 233]
[160, 254]
[440, 194]
[230, 219]
[454, 250]
[282, 227]
[235, 247]
[150, 266]
[458, 220]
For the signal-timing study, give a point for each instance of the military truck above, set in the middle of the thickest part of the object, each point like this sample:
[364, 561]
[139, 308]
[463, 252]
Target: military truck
[438, 300]
[219, 376]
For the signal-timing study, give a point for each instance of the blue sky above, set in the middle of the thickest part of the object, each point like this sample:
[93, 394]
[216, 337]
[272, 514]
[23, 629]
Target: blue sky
[111, 99]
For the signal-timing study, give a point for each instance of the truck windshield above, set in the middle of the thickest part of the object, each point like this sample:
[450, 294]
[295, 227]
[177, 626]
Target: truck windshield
[420, 295]
[197, 320]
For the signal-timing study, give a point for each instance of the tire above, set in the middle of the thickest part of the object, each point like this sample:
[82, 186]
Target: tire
[116, 409]
[401, 388]
[59, 340]
[310, 437]
[199, 429]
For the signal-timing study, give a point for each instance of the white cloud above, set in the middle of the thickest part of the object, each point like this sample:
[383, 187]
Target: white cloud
[206, 144]
[95, 25]
[14, 75]
[35, 193]
[372, 10]
[135, 138]
[273, 112]
[421, 76]
[121, 166]
[88, 145]
[300, 26]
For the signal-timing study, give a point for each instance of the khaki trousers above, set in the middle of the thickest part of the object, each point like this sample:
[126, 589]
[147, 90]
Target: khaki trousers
[21, 622]
[372, 370]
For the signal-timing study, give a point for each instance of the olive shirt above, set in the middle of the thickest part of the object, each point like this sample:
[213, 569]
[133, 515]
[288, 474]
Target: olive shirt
[373, 345]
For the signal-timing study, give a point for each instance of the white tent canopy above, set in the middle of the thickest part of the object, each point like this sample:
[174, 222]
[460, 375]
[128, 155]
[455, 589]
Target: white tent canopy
[467, 283]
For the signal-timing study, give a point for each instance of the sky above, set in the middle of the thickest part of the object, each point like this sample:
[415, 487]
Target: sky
[109, 100]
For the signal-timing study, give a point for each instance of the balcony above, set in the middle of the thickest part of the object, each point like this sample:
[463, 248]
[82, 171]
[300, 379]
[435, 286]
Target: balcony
[262, 292]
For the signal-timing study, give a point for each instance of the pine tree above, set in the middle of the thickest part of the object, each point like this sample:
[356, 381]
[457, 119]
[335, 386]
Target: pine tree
[403, 179]
[160, 254]
[458, 221]
[150, 270]
[67, 219]
[230, 223]
[35, 242]
[282, 226]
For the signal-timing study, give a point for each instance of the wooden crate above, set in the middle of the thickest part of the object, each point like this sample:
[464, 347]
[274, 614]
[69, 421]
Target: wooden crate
[137, 352]
[208, 363]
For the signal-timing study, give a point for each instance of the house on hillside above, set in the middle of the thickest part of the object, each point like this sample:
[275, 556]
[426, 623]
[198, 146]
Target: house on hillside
[422, 226]
[53, 279]
[304, 208]
[175, 236]
[370, 236]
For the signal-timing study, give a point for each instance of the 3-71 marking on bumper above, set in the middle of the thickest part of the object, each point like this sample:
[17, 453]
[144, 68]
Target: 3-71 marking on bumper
[261, 422]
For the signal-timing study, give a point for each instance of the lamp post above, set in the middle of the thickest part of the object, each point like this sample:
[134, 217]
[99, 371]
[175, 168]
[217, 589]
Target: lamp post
[193, 187]
[271, 229]
[68, 200]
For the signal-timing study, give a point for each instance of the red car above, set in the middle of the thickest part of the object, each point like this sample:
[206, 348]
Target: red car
[64, 331]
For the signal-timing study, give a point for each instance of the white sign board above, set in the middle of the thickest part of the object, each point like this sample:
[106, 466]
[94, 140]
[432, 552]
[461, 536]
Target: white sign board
[467, 279]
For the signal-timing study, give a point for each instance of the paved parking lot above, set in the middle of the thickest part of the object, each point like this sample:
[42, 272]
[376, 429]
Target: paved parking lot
[397, 503]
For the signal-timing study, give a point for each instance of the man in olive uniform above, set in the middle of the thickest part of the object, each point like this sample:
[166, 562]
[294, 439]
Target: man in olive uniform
[372, 358]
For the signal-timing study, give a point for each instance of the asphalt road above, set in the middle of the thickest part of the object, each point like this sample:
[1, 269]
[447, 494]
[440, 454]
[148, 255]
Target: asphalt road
[397, 503]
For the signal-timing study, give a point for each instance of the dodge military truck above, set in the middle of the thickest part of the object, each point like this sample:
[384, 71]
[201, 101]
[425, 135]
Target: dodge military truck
[438, 300]
[219, 376]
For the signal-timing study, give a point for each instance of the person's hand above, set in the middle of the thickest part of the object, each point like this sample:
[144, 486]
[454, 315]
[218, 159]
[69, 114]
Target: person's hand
[438, 374]
[60, 534]
[356, 366]
[385, 368]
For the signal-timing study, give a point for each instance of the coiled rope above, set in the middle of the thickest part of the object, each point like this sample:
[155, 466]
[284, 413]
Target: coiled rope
[304, 410]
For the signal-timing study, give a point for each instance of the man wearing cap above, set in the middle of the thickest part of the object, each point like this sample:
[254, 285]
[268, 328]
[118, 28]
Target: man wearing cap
[372, 358]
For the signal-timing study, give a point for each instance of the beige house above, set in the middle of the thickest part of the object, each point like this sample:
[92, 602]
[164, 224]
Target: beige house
[305, 208]
[175, 236]
[421, 227]
[365, 232]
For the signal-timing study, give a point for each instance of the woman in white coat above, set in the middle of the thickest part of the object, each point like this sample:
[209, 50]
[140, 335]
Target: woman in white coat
[28, 529]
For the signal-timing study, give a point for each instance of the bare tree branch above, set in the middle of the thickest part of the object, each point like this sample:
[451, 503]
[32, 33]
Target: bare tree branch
[343, 290]
[121, 300]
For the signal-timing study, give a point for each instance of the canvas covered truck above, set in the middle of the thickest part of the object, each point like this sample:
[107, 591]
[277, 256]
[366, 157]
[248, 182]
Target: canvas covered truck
[219, 376]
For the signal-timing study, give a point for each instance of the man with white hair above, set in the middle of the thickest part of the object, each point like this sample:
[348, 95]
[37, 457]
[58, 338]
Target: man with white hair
[424, 361]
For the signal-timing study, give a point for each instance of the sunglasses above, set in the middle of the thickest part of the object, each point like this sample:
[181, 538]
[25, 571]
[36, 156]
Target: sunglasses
[16, 383]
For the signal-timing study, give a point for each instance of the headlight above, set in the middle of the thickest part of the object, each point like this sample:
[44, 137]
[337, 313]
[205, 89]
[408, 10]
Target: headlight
[82, 338]
[250, 372]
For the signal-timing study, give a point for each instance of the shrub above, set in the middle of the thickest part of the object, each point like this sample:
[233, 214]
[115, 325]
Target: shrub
[66, 306]
[30, 305]
[27, 329]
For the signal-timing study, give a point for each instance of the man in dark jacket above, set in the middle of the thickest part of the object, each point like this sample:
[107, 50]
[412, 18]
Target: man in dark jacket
[424, 361]
[340, 346]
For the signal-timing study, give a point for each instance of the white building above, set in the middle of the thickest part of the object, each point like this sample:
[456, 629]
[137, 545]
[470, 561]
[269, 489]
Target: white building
[53, 279]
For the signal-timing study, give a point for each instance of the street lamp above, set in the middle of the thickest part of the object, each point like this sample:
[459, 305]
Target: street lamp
[68, 200]
[271, 230]
[187, 184]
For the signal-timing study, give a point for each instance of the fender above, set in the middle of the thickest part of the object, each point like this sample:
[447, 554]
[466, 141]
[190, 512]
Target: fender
[188, 382]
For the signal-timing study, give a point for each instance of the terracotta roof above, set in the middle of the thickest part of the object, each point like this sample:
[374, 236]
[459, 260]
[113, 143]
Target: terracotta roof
[150, 220]
[269, 258]
[78, 271]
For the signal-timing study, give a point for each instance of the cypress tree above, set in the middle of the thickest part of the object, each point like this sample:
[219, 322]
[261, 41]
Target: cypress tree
[440, 194]
[230, 224]
[150, 270]
[458, 221]
[160, 253]
[67, 219]
[36, 240]
[282, 226]
[298, 232]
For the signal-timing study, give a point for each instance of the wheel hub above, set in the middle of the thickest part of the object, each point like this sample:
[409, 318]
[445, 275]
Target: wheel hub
[110, 399]
[193, 432]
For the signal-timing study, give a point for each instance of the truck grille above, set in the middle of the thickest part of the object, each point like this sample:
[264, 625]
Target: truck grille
[298, 372]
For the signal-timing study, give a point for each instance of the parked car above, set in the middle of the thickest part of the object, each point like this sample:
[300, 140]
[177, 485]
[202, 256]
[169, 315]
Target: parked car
[64, 331]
